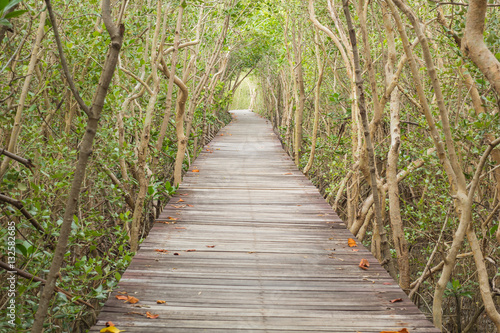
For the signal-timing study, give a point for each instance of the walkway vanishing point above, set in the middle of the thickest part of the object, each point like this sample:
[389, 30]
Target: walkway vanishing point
[249, 245]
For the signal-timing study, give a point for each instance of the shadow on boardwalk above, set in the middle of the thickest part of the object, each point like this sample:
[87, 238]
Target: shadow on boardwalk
[249, 245]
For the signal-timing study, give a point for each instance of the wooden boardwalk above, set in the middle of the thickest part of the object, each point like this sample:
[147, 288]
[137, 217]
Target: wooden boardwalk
[255, 248]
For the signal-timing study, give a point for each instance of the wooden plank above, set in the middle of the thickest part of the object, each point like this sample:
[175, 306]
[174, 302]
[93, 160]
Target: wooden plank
[254, 248]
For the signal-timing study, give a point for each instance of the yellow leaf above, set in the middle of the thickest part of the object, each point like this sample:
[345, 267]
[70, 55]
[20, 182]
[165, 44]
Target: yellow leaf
[160, 302]
[111, 329]
[351, 242]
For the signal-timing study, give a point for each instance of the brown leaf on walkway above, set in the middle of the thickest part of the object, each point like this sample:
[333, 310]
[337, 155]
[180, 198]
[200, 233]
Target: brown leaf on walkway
[189, 205]
[180, 200]
[151, 315]
[180, 227]
[364, 264]
[122, 297]
[211, 246]
[132, 300]
[160, 302]
[161, 250]
[404, 330]
[351, 242]
[196, 170]
[355, 250]
[178, 206]
[288, 173]
[396, 300]
[172, 218]
[387, 283]
[191, 250]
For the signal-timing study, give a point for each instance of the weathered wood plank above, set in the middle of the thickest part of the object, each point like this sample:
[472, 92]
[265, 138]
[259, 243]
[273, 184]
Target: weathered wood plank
[254, 248]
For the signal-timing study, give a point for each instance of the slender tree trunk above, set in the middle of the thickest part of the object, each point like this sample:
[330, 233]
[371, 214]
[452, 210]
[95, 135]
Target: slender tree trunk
[385, 251]
[398, 234]
[316, 103]
[170, 87]
[116, 34]
[143, 148]
[299, 78]
[16, 128]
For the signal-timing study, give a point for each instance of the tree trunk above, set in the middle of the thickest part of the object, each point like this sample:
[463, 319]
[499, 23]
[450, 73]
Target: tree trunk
[316, 103]
[299, 78]
[398, 234]
[474, 46]
[16, 128]
[385, 251]
[116, 34]
[143, 148]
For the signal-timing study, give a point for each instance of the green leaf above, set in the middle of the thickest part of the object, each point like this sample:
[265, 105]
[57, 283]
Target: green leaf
[11, 4]
[22, 249]
[3, 4]
[5, 22]
[117, 276]
[22, 187]
[15, 13]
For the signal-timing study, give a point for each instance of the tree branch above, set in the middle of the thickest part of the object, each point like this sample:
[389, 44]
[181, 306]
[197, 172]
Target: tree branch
[26, 162]
[64, 64]
[19, 205]
[31, 277]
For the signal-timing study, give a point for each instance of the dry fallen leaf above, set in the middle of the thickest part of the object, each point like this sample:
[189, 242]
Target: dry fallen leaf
[151, 315]
[189, 205]
[351, 242]
[288, 173]
[196, 170]
[191, 250]
[396, 300]
[355, 250]
[178, 206]
[160, 302]
[180, 227]
[387, 283]
[211, 246]
[126, 298]
[132, 300]
[364, 264]
[111, 329]
[172, 218]
[161, 250]
[180, 200]
[404, 330]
